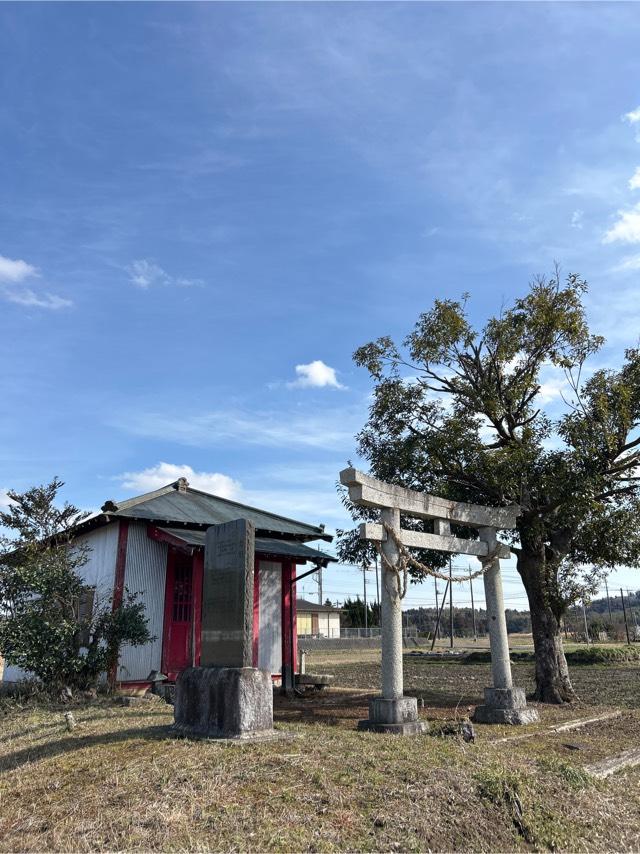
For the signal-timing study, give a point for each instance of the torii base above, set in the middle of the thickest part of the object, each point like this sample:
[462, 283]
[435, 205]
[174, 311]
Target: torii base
[397, 717]
[504, 706]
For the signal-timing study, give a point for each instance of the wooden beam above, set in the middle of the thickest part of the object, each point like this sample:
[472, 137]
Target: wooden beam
[418, 540]
[369, 492]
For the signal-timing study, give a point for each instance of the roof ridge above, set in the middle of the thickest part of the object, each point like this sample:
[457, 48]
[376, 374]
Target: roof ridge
[111, 506]
[257, 509]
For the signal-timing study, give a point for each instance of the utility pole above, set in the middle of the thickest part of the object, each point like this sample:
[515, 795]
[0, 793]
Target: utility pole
[624, 611]
[586, 626]
[436, 633]
[444, 599]
[473, 607]
[378, 593]
[633, 614]
[320, 601]
[450, 603]
[606, 587]
[366, 616]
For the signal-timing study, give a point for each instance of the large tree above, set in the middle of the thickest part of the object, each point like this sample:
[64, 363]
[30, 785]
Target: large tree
[458, 411]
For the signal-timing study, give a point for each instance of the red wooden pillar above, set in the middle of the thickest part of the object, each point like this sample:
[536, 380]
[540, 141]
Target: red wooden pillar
[289, 628]
[198, 582]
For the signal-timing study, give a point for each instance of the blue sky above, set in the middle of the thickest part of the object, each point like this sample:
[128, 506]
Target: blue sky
[205, 208]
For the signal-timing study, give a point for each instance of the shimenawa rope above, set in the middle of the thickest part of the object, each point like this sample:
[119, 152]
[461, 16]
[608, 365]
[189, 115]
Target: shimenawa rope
[405, 559]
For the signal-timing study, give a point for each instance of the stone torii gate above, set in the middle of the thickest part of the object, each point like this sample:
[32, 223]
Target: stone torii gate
[393, 712]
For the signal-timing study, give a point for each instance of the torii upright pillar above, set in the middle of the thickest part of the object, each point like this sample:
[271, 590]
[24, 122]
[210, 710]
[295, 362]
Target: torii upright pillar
[503, 704]
[392, 712]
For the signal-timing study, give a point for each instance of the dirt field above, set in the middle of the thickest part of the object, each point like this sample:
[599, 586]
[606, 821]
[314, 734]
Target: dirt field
[119, 781]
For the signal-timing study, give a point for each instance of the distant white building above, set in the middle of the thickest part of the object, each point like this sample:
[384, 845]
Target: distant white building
[322, 621]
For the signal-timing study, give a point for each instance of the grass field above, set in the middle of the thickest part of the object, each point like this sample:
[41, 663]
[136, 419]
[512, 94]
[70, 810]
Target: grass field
[120, 782]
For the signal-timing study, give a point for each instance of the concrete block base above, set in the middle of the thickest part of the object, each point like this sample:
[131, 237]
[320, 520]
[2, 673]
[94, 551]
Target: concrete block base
[224, 703]
[399, 716]
[504, 706]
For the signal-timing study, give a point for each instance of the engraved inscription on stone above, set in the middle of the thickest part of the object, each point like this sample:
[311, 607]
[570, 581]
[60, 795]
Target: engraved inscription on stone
[227, 601]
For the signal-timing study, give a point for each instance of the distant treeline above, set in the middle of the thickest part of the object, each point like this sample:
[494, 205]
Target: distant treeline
[598, 618]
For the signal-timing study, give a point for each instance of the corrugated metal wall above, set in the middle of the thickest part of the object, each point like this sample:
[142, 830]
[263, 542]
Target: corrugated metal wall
[99, 570]
[145, 572]
[270, 616]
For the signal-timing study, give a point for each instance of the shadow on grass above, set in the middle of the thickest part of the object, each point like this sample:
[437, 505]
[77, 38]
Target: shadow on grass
[34, 753]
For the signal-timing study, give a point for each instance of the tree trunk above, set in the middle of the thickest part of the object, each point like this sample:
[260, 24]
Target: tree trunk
[553, 684]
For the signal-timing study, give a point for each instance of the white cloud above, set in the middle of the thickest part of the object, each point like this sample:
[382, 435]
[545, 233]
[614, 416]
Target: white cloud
[15, 271]
[634, 181]
[626, 229]
[12, 275]
[315, 375]
[576, 219]
[551, 390]
[145, 273]
[633, 117]
[4, 499]
[164, 473]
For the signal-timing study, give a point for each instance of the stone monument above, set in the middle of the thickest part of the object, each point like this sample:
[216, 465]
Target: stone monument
[226, 697]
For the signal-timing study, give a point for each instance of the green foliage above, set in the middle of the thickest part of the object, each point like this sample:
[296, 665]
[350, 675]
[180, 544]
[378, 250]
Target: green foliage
[456, 412]
[50, 622]
[354, 613]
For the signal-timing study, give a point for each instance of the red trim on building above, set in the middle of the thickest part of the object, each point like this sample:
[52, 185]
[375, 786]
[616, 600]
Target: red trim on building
[288, 604]
[168, 604]
[256, 610]
[160, 536]
[198, 584]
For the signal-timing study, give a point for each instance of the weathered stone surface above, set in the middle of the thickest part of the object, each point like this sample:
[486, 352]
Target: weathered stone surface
[505, 698]
[396, 716]
[504, 706]
[223, 702]
[491, 715]
[399, 711]
[227, 598]
[408, 728]
[368, 491]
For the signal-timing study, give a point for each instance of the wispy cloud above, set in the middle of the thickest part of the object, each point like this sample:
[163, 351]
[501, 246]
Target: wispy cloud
[315, 375]
[626, 229]
[163, 473]
[332, 429]
[145, 273]
[576, 219]
[629, 263]
[634, 181]
[13, 274]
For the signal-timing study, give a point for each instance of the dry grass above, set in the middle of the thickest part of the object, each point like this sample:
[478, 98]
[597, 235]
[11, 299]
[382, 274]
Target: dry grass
[120, 782]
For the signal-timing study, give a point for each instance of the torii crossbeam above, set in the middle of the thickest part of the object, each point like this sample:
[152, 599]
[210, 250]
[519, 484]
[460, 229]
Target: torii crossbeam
[393, 712]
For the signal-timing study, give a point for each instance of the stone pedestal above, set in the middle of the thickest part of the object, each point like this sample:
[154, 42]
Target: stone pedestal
[399, 717]
[225, 703]
[504, 706]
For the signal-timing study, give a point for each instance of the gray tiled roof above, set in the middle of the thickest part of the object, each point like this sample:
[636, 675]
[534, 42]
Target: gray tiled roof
[263, 545]
[179, 504]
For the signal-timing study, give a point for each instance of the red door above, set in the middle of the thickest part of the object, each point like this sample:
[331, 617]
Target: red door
[177, 646]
